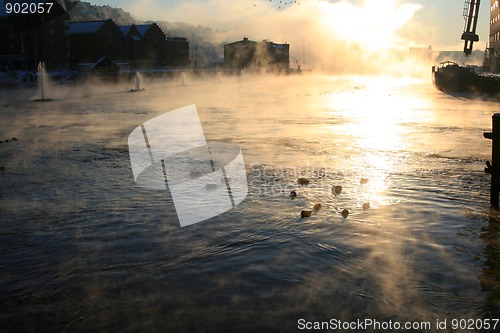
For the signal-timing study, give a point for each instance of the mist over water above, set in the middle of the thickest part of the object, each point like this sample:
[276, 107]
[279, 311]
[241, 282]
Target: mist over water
[82, 248]
[348, 37]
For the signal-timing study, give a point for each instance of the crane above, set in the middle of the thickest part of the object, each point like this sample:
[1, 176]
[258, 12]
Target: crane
[471, 11]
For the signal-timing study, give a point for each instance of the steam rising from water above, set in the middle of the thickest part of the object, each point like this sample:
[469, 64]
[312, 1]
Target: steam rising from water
[74, 223]
[341, 36]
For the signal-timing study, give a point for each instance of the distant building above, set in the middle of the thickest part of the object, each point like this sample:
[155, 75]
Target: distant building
[104, 69]
[28, 39]
[92, 40]
[12, 51]
[239, 55]
[265, 55]
[64, 45]
[152, 44]
[132, 44]
[492, 55]
[272, 56]
[176, 52]
[146, 46]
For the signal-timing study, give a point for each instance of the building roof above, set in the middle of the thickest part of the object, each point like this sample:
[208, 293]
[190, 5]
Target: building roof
[144, 28]
[88, 27]
[279, 46]
[104, 62]
[177, 39]
[243, 41]
[125, 29]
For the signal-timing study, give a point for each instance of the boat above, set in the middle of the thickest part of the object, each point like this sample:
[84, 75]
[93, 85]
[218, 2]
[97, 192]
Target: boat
[450, 77]
[453, 78]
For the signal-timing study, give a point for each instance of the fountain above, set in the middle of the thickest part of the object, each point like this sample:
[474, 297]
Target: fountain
[138, 83]
[42, 83]
[218, 76]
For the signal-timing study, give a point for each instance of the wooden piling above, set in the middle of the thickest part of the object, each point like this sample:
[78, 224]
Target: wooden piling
[493, 168]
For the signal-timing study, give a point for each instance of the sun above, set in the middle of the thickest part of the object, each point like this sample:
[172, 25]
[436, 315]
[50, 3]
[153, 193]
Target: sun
[373, 25]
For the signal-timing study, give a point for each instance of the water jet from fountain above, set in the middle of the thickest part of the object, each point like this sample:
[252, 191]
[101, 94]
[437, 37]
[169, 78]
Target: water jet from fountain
[138, 83]
[183, 79]
[42, 83]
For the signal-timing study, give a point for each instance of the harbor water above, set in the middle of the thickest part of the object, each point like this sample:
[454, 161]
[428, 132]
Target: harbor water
[83, 249]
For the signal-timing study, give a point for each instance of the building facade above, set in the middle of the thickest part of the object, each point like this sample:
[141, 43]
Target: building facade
[265, 55]
[152, 43]
[92, 40]
[64, 45]
[132, 40]
[28, 39]
[492, 56]
[146, 46]
[176, 52]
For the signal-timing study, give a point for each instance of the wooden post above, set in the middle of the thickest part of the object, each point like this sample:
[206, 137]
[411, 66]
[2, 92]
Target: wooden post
[493, 168]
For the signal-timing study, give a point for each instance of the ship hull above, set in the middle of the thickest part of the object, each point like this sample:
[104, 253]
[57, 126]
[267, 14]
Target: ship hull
[451, 78]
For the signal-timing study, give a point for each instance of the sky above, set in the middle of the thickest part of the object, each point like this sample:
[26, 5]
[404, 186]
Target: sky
[425, 22]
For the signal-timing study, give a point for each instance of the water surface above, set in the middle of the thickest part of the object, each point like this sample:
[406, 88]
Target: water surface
[82, 248]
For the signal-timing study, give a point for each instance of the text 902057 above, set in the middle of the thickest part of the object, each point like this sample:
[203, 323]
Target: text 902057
[30, 7]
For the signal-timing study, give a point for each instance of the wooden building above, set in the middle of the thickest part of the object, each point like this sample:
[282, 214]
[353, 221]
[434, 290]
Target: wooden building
[143, 45]
[146, 46]
[176, 52]
[152, 44]
[92, 40]
[132, 45]
[63, 45]
[28, 39]
[104, 69]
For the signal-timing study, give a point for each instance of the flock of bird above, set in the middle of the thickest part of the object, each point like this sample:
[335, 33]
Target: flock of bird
[282, 3]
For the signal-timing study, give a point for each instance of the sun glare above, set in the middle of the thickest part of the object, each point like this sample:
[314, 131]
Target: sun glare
[375, 112]
[377, 115]
[373, 26]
